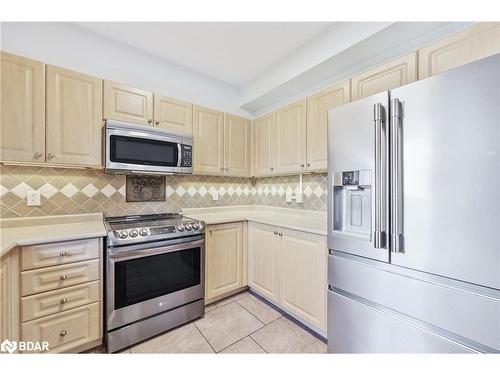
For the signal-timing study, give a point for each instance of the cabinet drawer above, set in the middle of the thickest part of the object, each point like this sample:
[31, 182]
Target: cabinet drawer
[50, 278]
[59, 253]
[66, 330]
[60, 300]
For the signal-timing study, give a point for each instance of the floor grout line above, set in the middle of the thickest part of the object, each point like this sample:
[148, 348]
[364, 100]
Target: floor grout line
[251, 338]
[208, 342]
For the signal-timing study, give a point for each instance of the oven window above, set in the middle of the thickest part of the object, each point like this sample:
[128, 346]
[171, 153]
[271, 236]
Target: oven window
[131, 150]
[140, 279]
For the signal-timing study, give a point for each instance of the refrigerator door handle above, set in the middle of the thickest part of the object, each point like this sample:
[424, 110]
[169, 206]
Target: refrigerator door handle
[397, 243]
[379, 241]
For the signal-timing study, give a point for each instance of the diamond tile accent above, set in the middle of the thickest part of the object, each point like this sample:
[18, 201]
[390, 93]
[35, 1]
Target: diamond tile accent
[191, 191]
[169, 191]
[202, 191]
[3, 190]
[69, 190]
[21, 189]
[89, 190]
[108, 190]
[318, 191]
[180, 191]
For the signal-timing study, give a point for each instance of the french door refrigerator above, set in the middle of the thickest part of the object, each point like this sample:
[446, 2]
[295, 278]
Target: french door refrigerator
[414, 217]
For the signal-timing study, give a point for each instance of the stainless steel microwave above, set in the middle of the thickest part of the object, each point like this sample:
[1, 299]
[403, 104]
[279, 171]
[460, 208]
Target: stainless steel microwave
[139, 149]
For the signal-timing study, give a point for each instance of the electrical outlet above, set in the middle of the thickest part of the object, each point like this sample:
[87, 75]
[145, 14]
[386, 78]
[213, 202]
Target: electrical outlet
[33, 198]
[215, 196]
[289, 197]
[298, 198]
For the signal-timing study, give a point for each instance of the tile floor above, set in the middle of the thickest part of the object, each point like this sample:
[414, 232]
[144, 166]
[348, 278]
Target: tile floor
[239, 324]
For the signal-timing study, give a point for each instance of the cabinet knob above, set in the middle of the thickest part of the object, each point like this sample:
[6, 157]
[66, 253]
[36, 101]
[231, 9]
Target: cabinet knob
[275, 232]
[63, 277]
[63, 333]
[272, 169]
[308, 164]
[302, 165]
[37, 155]
[157, 122]
[150, 120]
[210, 231]
[280, 234]
[63, 301]
[63, 253]
[50, 155]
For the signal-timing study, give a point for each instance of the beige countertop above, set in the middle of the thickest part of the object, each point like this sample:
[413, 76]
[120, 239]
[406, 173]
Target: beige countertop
[38, 230]
[296, 219]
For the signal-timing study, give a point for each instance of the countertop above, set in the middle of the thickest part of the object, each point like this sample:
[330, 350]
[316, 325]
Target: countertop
[38, 230]
[296, 219]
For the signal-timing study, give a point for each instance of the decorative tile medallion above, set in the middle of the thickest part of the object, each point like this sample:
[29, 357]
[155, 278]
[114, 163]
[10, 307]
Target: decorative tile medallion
[145, 189]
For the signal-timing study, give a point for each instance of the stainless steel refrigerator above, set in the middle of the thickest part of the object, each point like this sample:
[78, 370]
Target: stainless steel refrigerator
[414, 217]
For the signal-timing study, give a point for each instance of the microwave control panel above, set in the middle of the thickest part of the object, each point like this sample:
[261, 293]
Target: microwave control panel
[187, 156]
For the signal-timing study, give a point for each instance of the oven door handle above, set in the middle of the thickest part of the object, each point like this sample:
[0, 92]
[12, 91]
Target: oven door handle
[130, 254]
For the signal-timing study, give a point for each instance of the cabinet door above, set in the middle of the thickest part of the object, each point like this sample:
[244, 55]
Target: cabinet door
[173, 114]
[291, 138]
[263, 131]
[263, 258]
[303, 276]
[22, 98]
[479, 41]
[236, 146]
[127, 103]
[317, 122]
[9, 296]
[208, 145]
[224, 259]
[395, 73]
[74, 118]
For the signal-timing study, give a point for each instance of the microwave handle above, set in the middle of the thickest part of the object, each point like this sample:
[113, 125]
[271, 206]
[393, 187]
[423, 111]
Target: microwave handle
[179, 154]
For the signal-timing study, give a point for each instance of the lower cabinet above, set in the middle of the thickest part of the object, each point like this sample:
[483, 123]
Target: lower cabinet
[225, 260]
[289, 268]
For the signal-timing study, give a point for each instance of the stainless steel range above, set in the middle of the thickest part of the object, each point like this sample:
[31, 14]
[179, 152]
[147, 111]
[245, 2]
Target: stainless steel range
[155, 270]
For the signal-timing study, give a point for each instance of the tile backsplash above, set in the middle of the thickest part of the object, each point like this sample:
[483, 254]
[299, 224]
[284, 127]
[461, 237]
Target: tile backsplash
[72, 191]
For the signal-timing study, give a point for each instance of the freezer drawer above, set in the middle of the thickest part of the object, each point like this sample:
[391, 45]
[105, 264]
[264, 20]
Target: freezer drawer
[354, 327]
[471, 312]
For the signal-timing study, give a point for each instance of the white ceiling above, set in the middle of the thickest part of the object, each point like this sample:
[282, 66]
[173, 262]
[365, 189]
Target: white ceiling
[233, 52]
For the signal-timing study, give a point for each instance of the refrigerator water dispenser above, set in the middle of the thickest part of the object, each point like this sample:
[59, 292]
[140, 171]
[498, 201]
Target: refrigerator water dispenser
[352, 196]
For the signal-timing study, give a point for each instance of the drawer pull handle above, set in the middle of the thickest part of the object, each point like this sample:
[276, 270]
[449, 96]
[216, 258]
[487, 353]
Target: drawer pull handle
[63, 277]
[280, 234]
[63, 301]
[63, 253]
[62, 333]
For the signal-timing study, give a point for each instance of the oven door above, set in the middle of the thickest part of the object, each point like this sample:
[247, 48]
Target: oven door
[147, 279]
[143, 151]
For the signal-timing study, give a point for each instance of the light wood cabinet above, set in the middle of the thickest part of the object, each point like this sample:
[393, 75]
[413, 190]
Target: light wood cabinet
[291, 138]
[303, 276]
[74, 118]
[173, 114]
[22, 118]
[263, 142]
[208, 141]
[477, 42]
[9, 296]
[395, 73]
[225, 263]
[125, 103]
[263, 261]
[317, 122]
[236, 146]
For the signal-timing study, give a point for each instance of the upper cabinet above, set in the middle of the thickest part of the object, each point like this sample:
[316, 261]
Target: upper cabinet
[236, 146]
[74, 118]
[127, 103]
[317, 122]
[208, 141]
[481, 40]
[173, 114]
[22, 97]
[263, 131]
[395, 73]
[291, 138]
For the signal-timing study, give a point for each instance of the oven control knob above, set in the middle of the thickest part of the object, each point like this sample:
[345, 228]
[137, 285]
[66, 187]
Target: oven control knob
[180, 227]
[123, 234]
[143, 232]
[133, 233]
[196, 226]
[188, 226]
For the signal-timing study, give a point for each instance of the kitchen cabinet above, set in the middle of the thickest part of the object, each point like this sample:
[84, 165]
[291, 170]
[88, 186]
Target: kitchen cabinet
[395, 73]
[225, 260]
[290, 268]
[291, 138]
[208, 141]
[317, 122]
[74, 118]
[22, 98]
[263, 150]
[236, 146]
[125, 103]
[173, 114]
[9, 296]
[474, 43]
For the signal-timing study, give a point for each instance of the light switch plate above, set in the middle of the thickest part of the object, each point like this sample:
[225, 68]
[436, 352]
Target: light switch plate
[33, 198]
[215, 196]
